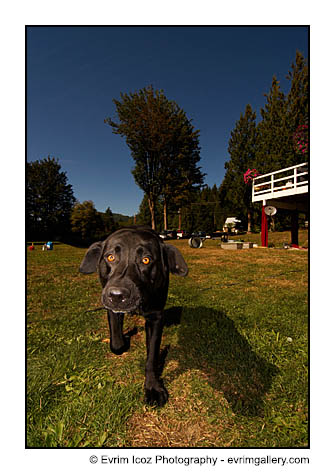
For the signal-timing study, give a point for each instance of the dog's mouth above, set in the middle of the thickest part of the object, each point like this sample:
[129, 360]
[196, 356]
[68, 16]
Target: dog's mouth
[123, 308]
[120, 303]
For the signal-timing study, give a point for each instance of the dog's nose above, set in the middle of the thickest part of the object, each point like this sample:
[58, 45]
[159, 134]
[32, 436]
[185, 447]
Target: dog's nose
[117, 294]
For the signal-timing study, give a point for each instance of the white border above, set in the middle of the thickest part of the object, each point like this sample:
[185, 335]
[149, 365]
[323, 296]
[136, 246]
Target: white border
[15, 16]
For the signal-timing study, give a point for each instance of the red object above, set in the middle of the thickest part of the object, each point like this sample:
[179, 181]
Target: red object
[264, 233]
[31, 247]
[249, 175]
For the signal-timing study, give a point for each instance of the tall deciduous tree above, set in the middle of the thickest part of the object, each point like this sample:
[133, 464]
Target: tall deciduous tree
[87, 223]
[162, 141]
[235, 194]
[49, 200]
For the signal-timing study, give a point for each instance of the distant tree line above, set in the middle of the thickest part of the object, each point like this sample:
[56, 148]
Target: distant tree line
[52, 212]
[166, 152]
[203, 213]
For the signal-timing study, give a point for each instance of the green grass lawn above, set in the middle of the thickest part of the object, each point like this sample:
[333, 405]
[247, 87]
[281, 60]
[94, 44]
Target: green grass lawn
[235, 354]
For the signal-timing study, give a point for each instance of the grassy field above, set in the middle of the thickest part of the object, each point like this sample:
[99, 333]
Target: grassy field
[234, 354]
[276, 239]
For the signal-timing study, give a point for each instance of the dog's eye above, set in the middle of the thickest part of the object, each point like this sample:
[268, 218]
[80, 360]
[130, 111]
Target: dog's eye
[111, 258]
[146, 260]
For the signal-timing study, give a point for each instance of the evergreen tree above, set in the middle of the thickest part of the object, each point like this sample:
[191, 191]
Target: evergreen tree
[218, 211]
[207, 218]
[280, 140]
[298, 105]
[281, 118]
[297, 98]
[143, 217]
[204, 212]
[108, 220]
[274, 144]
[201, 212]
[183, 176]
[49, 200]
[235, 195]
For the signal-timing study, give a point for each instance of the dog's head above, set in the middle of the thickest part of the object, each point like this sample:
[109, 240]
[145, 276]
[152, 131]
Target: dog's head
[134, 265]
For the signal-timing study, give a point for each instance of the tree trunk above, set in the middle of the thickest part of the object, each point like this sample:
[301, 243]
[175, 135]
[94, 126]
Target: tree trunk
[152, 212]
[179, 219]
[249, 222]
[165, 215]
[272, 224]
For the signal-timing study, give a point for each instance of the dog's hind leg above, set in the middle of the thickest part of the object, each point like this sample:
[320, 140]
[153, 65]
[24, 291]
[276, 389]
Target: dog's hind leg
[118, 344]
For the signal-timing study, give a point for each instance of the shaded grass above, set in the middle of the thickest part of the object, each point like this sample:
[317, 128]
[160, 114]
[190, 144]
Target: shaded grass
[234, 355]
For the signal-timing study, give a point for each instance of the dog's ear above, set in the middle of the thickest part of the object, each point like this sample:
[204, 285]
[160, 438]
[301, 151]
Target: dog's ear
[176, 262]
[91, 259]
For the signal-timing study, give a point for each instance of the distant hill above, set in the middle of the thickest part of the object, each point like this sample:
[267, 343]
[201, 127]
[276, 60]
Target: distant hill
[120, 217]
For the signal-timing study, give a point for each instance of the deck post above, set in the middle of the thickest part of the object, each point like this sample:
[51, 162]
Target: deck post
[295, 227]
[264, 230]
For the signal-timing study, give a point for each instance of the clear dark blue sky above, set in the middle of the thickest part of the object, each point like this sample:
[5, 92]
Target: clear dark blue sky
[73, 74]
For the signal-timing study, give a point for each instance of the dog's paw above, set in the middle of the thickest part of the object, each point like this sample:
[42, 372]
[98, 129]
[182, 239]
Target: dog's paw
[156, 395]
[120, 349]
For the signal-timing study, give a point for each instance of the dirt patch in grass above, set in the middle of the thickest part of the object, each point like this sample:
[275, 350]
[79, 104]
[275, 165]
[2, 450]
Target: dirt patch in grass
[148, 429]
[259, 256]
[183, 422]
[282, 282]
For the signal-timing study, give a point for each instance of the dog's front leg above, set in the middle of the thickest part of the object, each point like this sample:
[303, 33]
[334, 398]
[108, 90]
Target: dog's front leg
[118, 344]
[155, 391]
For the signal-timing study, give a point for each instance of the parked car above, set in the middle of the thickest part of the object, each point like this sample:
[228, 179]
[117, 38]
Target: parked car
[182, 234]
[168, 234]
[163, 234]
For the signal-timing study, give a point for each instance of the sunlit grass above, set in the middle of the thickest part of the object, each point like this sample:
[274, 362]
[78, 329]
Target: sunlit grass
[235, 353]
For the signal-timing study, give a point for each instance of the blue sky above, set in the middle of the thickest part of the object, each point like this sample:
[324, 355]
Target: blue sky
[74, 73]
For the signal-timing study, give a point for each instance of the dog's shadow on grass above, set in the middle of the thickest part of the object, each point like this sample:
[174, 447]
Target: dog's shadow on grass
[209, 341]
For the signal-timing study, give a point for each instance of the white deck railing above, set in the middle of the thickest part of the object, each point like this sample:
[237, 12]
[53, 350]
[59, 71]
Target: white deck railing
[285, 182]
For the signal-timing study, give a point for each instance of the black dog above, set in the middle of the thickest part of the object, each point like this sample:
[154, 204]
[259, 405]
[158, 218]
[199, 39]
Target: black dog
[134, 265]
